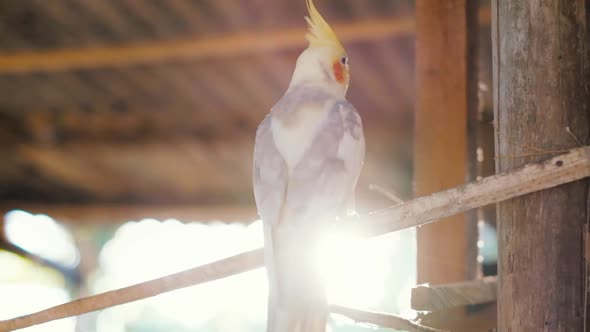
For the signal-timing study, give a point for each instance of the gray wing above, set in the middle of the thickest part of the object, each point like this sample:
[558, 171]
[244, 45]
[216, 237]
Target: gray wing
[270, 174]
[322, 185]
[270, 182]
[352, 148]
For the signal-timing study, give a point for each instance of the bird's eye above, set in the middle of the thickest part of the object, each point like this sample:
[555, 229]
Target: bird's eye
[344, 60]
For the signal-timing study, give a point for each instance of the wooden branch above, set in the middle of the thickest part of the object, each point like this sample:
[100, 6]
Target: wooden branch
[440, 297]
[564, 168]
[381, 319]
[193, 49]
[393, 196]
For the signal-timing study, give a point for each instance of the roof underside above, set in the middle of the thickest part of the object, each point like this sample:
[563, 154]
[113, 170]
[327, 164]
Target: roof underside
[157, 101]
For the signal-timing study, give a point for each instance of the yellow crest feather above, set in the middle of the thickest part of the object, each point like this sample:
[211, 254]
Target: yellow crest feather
[320, 33]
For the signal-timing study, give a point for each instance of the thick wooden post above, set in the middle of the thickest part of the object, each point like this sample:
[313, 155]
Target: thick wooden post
[445, 95]
[541, 62]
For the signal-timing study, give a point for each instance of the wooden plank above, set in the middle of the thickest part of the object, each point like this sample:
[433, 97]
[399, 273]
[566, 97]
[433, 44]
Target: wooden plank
[541, 88]
[194, 49]
[556, 171]
[441, 297]
[381, 319]
[440, 143]
[482, 320]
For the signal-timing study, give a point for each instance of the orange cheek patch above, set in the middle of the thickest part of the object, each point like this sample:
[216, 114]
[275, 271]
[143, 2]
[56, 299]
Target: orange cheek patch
[338, 72]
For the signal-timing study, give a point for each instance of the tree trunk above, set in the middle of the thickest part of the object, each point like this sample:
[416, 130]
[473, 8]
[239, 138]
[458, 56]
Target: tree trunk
[540, 54]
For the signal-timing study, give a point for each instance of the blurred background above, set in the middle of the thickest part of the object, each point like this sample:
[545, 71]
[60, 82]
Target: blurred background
[126, 135]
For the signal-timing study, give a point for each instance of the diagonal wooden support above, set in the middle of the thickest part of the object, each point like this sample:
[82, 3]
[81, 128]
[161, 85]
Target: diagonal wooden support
[571, 166]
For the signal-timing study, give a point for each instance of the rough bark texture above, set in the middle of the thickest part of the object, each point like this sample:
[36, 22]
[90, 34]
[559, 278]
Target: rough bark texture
[540, 88]
[444, 86]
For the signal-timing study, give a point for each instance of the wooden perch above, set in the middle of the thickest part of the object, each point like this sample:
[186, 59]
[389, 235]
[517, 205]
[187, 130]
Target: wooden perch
[224, 268]
[441, 297]
[381, 319]
[565, 168]
[571, 166]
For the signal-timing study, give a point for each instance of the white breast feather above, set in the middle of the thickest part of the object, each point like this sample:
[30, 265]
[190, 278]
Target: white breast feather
[293, 140]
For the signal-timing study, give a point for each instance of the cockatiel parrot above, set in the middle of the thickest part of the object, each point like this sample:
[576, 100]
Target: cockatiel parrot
[308, 155]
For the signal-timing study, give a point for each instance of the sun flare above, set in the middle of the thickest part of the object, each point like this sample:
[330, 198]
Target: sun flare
[351, 271]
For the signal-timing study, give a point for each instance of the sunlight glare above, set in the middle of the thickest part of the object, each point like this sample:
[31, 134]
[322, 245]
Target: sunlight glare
[41, 235]
[149, 249]
[351, 269]
[355, 271]
[26, 298]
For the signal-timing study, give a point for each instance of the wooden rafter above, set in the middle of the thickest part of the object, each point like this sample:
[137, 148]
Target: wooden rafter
[192, 49]
[80, 214]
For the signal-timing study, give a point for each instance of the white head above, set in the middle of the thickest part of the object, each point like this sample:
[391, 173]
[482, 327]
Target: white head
[324, 62]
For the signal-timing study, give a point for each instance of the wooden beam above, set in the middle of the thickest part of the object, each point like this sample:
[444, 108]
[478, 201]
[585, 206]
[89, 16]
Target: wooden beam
[113, 214]
[541, 89]
[444, 84]
[442, 297]
[556, 171]
[105, 123]
[482, 320]
[177, 170]
[446, 89]
[194, 49]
